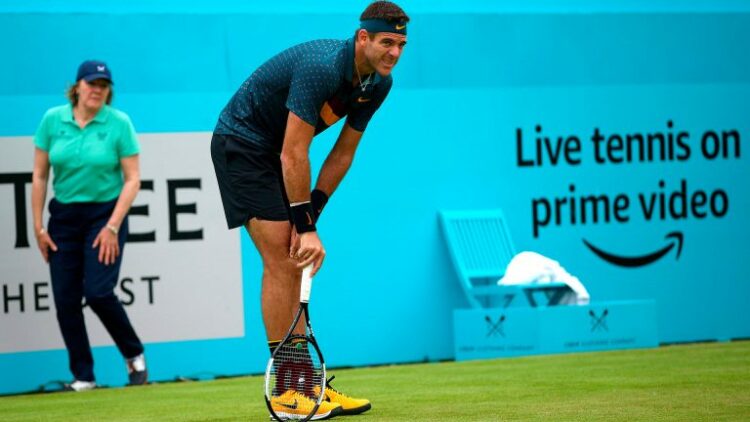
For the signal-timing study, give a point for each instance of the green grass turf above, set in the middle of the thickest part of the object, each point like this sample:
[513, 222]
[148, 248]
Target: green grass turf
[700, 382]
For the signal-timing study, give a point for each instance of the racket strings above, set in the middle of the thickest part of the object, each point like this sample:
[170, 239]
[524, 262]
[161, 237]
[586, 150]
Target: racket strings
[296, 368]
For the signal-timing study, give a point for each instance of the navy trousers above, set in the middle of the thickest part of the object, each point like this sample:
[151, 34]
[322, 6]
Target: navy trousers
[76, 274]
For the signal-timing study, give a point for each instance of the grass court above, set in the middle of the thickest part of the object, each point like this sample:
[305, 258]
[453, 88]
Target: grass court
[697, 382]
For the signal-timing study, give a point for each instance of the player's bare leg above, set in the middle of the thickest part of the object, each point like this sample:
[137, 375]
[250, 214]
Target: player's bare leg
[281, 276]
[280, 294]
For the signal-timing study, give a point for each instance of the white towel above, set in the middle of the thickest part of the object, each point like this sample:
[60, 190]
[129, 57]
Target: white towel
[531, 267]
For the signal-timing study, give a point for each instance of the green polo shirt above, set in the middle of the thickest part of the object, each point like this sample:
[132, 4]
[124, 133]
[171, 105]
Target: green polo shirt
[86, 162]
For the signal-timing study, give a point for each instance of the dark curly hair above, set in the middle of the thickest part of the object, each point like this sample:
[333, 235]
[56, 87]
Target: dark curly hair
[386, 10]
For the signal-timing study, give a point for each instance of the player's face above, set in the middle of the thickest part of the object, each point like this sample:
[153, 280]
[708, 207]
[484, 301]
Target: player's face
[384, 51]
[93, 94]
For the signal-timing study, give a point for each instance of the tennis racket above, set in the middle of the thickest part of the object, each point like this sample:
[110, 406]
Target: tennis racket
[296, 373]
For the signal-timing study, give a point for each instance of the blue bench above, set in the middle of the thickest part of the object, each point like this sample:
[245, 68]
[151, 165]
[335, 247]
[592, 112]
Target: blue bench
[513, 320]
[480, 247]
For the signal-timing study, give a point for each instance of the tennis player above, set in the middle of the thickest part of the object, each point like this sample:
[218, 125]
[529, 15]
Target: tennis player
[260, 154]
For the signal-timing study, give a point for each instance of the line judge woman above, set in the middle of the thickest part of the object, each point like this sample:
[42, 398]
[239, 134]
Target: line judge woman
[93, 151]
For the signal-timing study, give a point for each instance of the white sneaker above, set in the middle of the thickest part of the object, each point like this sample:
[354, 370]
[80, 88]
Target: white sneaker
[79, 386]
[137, 373]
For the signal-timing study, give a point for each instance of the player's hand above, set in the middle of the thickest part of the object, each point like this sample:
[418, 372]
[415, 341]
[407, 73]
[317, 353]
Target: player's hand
[310, 252]
[109, 247]
[293, 243]
[45, 243]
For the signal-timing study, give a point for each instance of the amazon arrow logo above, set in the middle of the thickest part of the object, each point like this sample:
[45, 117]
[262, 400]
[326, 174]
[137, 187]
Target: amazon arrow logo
[638, 261]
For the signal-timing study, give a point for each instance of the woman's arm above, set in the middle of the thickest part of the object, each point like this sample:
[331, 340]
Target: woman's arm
[39, 179]
[109, 248]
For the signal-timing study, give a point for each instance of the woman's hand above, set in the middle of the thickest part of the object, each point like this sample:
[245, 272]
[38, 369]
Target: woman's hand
[45, 243]
[109, 247]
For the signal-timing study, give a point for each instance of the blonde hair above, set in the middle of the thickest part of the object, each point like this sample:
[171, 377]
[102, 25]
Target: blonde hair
[72, 94]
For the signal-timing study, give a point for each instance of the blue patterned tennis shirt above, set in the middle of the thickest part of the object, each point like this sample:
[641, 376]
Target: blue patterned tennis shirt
[314, 81]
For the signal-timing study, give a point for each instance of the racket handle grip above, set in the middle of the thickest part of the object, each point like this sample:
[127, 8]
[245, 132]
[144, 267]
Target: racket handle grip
[306, 284]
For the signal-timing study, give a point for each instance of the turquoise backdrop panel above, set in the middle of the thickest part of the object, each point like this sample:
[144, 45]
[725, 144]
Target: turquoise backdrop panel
[472, 76]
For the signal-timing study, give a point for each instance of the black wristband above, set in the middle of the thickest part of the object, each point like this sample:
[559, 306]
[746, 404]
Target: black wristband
[302, 217]
[318, 200]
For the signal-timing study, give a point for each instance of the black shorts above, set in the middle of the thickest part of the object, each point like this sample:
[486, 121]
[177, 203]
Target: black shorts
[250, 181]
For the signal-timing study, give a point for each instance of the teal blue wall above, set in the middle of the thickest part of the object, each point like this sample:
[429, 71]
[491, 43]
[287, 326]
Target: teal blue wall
[471, 75]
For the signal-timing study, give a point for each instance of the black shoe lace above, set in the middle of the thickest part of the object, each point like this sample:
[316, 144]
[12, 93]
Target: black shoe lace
[328, 384]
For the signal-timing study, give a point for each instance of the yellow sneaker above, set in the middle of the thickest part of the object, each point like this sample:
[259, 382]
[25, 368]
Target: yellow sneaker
[293, 405]
[349, 406]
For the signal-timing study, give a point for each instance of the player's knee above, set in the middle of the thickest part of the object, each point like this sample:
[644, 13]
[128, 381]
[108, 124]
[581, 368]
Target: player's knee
[283, 266]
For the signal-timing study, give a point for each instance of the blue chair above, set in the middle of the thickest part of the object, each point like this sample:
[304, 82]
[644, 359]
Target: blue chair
[480, 247]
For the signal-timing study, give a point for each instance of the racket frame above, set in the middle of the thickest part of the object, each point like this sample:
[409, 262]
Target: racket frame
[304, 300]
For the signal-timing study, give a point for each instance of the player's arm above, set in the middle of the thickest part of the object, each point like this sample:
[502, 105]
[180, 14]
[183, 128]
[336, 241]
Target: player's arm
[337, 163]
[295, 160]
[295, 166]
[341, 156]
